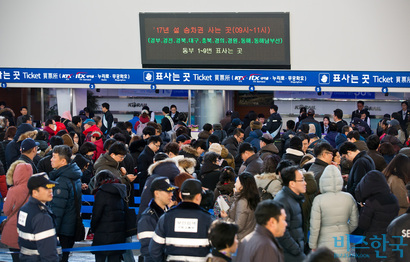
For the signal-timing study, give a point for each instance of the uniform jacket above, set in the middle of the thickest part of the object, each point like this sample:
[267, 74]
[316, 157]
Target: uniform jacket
[146, 227]
[63, 203]
[400, 226]
[16, 197]
[260, 245]
[108, 219]
[362, 164]
[189, 242]
[243, 216]
[329, 221]
[293, 240]
[273, 124]
[36, 220]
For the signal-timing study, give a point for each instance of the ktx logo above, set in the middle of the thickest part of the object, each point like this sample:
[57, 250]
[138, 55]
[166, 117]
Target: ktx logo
[254, 77]
[80, 75]
[66, 76]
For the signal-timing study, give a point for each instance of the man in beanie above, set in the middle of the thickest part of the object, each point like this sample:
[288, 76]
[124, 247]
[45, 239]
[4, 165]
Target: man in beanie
[37, 234]
[163, 192]
[267, 146]
[182, 232]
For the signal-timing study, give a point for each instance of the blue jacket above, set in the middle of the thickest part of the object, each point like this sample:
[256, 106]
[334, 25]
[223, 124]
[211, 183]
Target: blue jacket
[340, 139]
[182, 234]
[253, 139]
[63, 202]
[37, 234]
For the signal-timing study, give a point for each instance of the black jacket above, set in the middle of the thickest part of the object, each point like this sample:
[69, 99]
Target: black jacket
[29, 161]
[209, 175]
[145, 159]
[110, 119]
[274, 124]
[108, 219]
[44, 165]
[399, 227]
[362, 164]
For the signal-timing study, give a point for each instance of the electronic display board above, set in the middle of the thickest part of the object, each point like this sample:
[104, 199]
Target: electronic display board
[215, 40]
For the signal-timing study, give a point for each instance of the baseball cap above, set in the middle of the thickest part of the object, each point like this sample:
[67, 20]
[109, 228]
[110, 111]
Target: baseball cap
[144, 111]
[162, 183]
[88, 121]
[181, 138]
[28, 144]
[191, 187]
[40, 180]
[236, 122]
[267, 138]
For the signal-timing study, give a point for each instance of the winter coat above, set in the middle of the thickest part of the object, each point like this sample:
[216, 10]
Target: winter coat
[63, 203]
[221, 134]
[311, 120]
[16, 197]
[253, 138]
[167, 168]
[209, 175]
[269, 149]
[49, 131]
[10, 172]
[274, 124]
[362, 164]
[228, 157]
[294, 155]
[142, 120]
[108, 219]
[398, 188]
[44, 165]
[253, 165]
[107, 162]
[3, 184]
[107, 121]
[263, 180]
[380, 208]
[361, 145]
[231, 144]
[329, 221]
[292, 241]
[340, 139]
[378, 160]
[243, 216]
[145, 159]
[317, 169]
[331, 138]
[190, 152]
[87, 133]
[261, 245]
[13, 147]
[400, 226]
[100, 149]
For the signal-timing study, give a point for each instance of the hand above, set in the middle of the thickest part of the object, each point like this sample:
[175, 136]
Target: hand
[361, 204]
[131, 177]
[123, 171]
[223, 214]
[84, 186]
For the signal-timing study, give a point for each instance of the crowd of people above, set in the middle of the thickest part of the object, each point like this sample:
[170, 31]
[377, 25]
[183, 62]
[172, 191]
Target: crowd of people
[250, 189]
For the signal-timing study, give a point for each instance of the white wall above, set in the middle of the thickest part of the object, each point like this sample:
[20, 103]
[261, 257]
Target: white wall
[325, 34]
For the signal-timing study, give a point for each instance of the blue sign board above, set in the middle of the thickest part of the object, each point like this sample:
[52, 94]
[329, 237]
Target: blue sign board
[206, 77]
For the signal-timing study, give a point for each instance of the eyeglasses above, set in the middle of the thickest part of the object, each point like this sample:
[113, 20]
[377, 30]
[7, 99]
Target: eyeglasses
[329, 153]
[121, 157]
[300, 180]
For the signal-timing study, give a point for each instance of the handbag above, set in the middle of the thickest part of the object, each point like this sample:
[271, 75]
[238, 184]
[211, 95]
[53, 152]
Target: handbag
[130, 221]
[263, 192]
[3, 223]
[79, 233]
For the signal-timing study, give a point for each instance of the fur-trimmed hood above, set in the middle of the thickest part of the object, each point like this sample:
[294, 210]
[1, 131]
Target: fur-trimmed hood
[268, 176]
[10, 172]
[28, 134]
[152, 167]
[187, 165]
[187, 150]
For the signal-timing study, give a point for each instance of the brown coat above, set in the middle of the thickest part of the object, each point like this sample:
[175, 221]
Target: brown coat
[398, 188]
[243, 216]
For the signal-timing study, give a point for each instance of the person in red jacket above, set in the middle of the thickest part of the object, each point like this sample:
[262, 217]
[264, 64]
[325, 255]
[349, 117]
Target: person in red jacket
[98, 142]
[89, 127]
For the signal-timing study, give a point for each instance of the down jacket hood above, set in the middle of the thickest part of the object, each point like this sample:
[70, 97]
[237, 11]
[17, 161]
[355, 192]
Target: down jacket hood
[163, 167]
[116, 189]
[187, 165]
[22, 129]
[22, 173]
[10, 172]
[331, 180]
[373, 183]
[28, 134]
[188, 151]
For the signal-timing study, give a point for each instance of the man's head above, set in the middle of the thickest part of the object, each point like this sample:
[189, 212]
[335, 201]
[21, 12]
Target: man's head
[88, 123]
[293, 178]
[61, 156]
[348, 150]
[305, 141]
[87, 149]
[404, 105]
[105, 107]
[373, 142]
[118, 151]
[2, 104]
[324, 152]
[265, 139]
[162, 190]
[273, 109]
[213, 139]
[29, 147]
[346, 129]
[148, 131]
[222, 235]
[360, 105]
[173, 109]
[284, 164]
[23, 110]
[27, 119]
[353, 136]
[191, 191]
[245, 151]
[51, 124]
[337, 115]
[290, 125]
[171, 149]
[239, 134]
[261, 118]
[272, 216]
[311, 112]
[154, 143]
[208, 128]
[41, 187]
[77, 121]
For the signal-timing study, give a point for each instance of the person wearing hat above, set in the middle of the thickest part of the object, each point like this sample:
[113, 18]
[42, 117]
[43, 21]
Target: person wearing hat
[28, 152]
[89, 127]
[182, 233]
[236, 123]
[37, 234]
[255, 134]
[142, 122]
[267, 147]
[96, 139]
[162, 191]
[252, 163]
[107, 119]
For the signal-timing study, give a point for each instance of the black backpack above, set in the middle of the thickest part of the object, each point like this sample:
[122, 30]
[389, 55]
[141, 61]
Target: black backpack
[263, 192]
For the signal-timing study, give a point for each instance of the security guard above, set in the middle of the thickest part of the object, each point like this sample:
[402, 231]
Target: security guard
[35, 224]
[182, 232]
[162, 191]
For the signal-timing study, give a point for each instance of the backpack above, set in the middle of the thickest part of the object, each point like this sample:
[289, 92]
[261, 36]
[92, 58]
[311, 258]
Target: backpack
[263, 192]
[140, 128]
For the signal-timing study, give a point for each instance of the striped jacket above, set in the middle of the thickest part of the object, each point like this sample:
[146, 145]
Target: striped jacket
[37, 234]
[182, 234]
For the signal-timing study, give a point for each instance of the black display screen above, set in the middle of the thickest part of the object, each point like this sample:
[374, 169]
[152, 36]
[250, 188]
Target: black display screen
[215, 40]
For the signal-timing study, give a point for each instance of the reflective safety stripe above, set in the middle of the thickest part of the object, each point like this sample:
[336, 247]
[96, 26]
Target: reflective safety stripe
[187, 242]
[186, 258]
[29, 252]
[145, 234]
[38, 236]
[158, 239]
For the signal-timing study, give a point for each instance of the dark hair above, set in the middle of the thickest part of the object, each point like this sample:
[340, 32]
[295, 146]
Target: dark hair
[266, 210]
[261, 115]
[373, 142]
[61, 132]
[303, 136]
[49, 122]
[160, 156]
[322, 254]
[290, 124]
[360, 102]
[353, 134]
[392, 131]
[304, 128]
[57, 118]
[249, 190]
[114, 130]
[42, 135]
[400, 167]
[2, 103]
[345, 129]
[97, 120]
[56, 141]
[408, 190]
[270, 163]
[332, 126]
[182, 130]
[245, 146]
[238, 132]
[182, 117]
[338, 113]
[347, 146]
[171, 147]
[289, 174]
[149, 130]
[128, 124]
[76, 120]
[320, 147]
[120, 137]
[117, 148]
[198, 144]
[274, 107]
[121, 125]
[63, 151]
[154, 139]
[387, 148]
[165, 109]
[10, 132]
[405, 102]
[87, 147]
[284, 164]
[106, 105]
[211, 157]
[213, 139]
[222, 234]
[26, 118]
[207, 127]
[227, 174]
[103, 175]
[156, 126]
[296, 143]
[173, 106]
